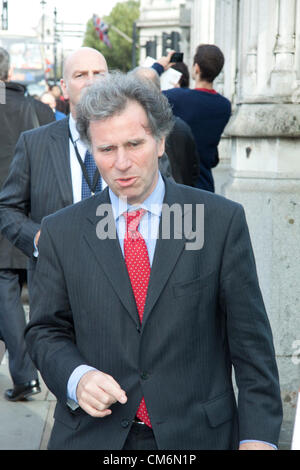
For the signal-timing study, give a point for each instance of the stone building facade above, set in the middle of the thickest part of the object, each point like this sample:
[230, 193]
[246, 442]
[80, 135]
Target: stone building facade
[164, 16]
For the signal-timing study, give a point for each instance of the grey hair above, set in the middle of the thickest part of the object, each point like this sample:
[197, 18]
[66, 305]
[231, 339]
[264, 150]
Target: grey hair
[4, 64]
[110, 96]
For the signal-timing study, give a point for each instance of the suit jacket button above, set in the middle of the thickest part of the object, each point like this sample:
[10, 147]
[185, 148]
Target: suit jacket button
[144, 375]
[124, 423]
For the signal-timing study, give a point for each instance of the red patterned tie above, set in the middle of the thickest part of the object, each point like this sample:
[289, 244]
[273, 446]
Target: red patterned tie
[138, 266]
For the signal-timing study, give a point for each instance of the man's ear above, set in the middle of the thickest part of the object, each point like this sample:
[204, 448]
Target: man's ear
[196, 70]
[161, 147]
[63, 86]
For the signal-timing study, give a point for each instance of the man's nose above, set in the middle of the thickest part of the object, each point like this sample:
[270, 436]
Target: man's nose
[90, 79]
[122, 161]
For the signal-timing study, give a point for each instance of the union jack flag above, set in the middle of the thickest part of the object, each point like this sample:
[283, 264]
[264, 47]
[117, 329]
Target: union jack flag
[101, 29]
[49, 66]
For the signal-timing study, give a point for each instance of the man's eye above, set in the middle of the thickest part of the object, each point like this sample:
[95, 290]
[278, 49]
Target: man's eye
[102, 74]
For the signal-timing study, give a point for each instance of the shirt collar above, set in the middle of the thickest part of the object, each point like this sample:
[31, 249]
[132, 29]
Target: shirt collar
[73, 129]
[152, 204]
[81, 146]
[207, 90]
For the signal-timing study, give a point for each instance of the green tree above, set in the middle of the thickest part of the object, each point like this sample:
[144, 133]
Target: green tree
[122, 17]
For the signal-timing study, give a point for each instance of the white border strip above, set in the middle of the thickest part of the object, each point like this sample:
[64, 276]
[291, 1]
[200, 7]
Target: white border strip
[296, 433]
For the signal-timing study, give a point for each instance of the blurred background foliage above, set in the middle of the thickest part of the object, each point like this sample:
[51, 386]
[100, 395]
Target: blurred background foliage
[122, 17]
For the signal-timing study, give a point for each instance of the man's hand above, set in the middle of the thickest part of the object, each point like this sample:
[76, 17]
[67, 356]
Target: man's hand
[165, 61]
[255, 446]
[97, 391]
[36, 238]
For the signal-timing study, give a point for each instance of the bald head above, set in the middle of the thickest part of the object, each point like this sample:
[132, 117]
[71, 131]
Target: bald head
[82, 55]
[81, 68]
[146, 73]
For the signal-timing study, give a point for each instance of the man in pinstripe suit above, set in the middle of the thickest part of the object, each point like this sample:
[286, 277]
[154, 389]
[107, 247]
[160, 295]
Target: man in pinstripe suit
[202, 315]
[45, 174]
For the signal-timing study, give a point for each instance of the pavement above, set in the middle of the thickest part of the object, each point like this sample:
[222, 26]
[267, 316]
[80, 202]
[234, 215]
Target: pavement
[24, 425]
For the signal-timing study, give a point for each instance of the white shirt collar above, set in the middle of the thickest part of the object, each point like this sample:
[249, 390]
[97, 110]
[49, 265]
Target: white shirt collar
[81, 146]
[73, 129]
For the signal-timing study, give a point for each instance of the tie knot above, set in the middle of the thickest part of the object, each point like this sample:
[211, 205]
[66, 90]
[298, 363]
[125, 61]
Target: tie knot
[133, 219]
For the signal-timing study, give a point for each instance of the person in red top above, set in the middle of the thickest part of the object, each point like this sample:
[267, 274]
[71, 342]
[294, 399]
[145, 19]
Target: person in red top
[202, 108]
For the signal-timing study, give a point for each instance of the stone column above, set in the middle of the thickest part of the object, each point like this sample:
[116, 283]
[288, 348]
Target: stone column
[284, 74]
[251, 57]
[203, 23]
[265, 173]
[215, 22]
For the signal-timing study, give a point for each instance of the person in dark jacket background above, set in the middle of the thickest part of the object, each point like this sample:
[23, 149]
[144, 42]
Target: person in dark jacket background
[206, 111]
[180, 143]
[18, 113]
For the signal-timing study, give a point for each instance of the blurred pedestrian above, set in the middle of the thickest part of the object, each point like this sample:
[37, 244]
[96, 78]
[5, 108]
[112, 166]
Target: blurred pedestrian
[62, 104]
[206, 111]
[56, 91]
[17, 114]
[49, 99]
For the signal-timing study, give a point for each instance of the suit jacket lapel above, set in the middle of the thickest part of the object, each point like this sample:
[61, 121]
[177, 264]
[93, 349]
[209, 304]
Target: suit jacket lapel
[109, 255]
[60, 157]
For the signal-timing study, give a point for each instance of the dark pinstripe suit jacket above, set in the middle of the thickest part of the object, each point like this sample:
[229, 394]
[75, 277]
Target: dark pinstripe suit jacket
[18, 114]
[38, 183]
[203, 313]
